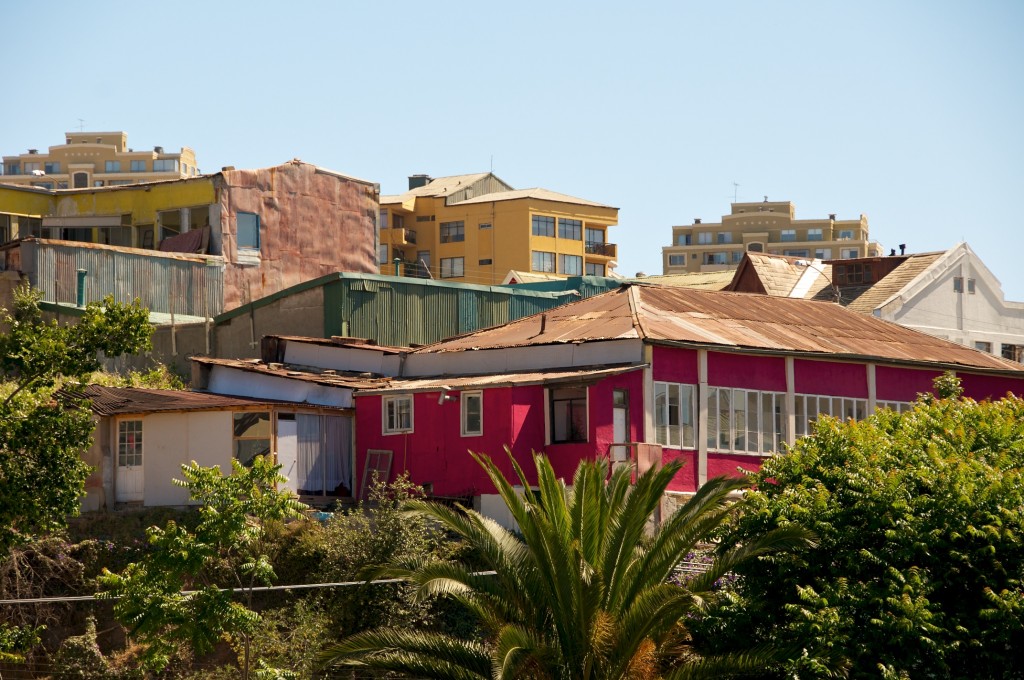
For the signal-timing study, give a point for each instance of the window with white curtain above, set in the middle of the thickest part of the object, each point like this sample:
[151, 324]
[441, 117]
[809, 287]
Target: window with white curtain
[324, 455]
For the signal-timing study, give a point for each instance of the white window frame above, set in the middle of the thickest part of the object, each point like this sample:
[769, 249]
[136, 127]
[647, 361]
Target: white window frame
[752, 406]
[389, 426]
[131, 449]
[464, 398]
[682, 433]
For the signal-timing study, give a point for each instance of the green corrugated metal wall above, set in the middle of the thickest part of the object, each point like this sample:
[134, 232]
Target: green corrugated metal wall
[401, 312]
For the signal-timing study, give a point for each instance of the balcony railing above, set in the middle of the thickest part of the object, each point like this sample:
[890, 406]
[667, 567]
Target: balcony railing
[600, 248]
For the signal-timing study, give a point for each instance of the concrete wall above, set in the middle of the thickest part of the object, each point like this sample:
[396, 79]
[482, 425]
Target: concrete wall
[298, 314]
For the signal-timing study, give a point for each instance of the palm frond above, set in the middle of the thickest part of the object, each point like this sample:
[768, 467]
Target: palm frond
[422, 654]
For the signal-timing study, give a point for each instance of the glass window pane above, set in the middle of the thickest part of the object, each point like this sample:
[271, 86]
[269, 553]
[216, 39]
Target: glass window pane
[247, 449]
[724, 418]
[739, 420]
[712, 433]
[661, 413]
[248, 230]
[687, 413]
[801, 416]
[673, 415]
[255, 424]
[753, 433]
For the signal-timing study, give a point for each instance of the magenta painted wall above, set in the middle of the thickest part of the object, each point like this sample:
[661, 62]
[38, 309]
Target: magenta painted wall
[747, 371]
[436, 453]
[674, 364]
[726, 464]
[686, 479]
[981, 387]
[893, 383]
[831, 378]
[718, 465]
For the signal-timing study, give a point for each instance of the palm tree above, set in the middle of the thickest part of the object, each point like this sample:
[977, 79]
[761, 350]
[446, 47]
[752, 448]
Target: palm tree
[586, 591]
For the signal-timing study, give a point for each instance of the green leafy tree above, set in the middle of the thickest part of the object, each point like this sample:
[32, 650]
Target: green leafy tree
[182, 593]
[919, 569]
[583, 593]
[42, 474]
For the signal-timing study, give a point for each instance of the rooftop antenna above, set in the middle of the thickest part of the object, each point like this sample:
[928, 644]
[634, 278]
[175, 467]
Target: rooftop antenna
[81, 124]
[492, 163]
[735, 191]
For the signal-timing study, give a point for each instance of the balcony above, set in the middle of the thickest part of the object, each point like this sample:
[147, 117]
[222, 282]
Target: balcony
[600, 248]
[403, 237]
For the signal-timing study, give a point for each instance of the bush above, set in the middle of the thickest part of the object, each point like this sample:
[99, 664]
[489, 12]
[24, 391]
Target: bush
[347, 546]
[919, 569]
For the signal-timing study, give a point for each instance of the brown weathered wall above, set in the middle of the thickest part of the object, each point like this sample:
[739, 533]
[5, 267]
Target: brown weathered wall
[189, 340]
[312, 223]
[299, 314]
[100, 482]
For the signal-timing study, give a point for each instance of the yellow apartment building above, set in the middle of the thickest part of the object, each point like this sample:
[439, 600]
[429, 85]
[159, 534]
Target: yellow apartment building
[476, 228]
[765, 227]
[96, 159]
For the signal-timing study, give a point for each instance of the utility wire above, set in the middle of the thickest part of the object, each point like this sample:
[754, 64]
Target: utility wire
[689, 567]
[296, 586]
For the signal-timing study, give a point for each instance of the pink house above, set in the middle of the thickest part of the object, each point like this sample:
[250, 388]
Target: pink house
[642, 374]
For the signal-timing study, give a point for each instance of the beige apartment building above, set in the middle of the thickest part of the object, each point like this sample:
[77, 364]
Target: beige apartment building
[765, 227]
[96, 159]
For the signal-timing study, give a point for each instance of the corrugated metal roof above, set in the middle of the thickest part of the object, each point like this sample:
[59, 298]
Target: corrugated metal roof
[326, 377]
[354, 343]
[498, 380]
[716, 280]
[662, 314]
[892, 283]
[110, 401]
[779, 273]
[536, 193]
[438, 186]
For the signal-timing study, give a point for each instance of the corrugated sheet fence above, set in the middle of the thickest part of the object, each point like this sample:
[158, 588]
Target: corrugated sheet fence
[163, 284]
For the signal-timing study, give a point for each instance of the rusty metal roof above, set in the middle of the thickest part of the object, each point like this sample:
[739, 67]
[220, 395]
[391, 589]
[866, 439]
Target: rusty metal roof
[741, 321]
[469, 382]
[320, 376]
[338, 341]
[437, 186]
[892, 283]
[111, 401]
[716, 280]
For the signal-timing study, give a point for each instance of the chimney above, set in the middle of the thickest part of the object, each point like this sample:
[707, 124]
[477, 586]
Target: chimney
[158, 149]
[417, 181]
[903, 249]
[892, 252]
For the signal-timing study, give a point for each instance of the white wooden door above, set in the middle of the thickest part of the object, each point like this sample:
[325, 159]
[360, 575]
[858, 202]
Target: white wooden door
[129, 483]
[288, 451]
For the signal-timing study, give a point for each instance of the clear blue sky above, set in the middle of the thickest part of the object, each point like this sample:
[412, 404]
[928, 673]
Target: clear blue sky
[909, 112]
